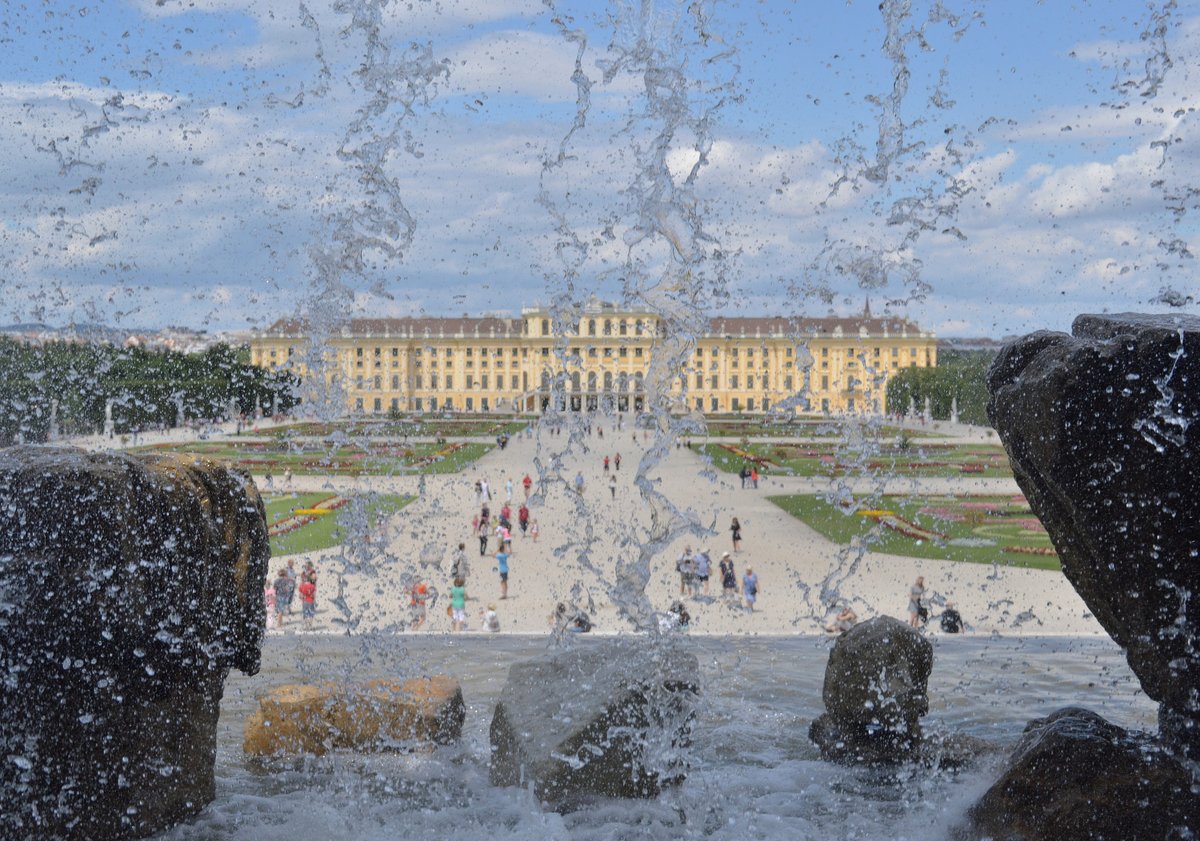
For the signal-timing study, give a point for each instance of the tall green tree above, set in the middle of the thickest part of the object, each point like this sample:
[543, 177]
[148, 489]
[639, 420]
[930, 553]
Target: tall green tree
[959, 375]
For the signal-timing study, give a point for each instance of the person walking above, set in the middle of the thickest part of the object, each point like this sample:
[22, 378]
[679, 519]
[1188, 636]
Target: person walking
[523, 519]
[458, 605]
[744, 474]
[308, 599]
[617, 461]
[483, 532]
[579, 483]
[269, 602]
[703, 567]
[527, 483]
[418, 597]
[502, 568]
[606, 464]
[754, 477]
[915, 609]
[750, 588]
[683, 565]
[728, 577]
[508, 489]
[459, 567]
[285, 588]
[612, 484]
[533, 530]
[736, 529]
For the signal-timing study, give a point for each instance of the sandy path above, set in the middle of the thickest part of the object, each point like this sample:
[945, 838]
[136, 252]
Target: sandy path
[583, 538]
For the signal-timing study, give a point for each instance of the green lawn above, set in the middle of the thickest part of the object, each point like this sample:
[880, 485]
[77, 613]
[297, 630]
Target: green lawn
[983, 460]
[325, 530]
[375, 459]
[978, 529]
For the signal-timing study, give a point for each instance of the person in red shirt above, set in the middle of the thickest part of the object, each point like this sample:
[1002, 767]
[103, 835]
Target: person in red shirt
[606, 464]
[523, 519]
[419, 596]
[308, 600]
[528, 483]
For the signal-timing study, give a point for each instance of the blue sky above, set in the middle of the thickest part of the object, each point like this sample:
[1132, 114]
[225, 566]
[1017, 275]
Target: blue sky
[179, 163]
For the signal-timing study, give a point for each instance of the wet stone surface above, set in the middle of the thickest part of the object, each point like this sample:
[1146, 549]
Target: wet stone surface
[132, 585]
[875, 694]
[1100, 428]
[612, 720]
[1074, 775]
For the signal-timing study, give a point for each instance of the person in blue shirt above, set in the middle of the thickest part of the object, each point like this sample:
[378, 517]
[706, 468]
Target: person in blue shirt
[502, 565]
[750, 588]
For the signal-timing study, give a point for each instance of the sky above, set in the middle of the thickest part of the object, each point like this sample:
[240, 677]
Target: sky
[984, 169]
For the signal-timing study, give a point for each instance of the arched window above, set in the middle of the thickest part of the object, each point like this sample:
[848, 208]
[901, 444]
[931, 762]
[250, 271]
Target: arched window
[608, 326]
[545, 327]
[575, 382]
[545, 379]
[623, 382]
[624, 328]
[608, 382]
[591, 326]
[637, 327]
[638, 383]
[591, 380]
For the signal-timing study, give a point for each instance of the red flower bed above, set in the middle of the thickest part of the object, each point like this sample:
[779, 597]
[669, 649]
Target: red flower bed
[1032, 550]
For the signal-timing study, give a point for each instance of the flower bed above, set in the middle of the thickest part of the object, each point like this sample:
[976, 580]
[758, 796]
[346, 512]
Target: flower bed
[296, 520]
[1032, 550]
[748, 456]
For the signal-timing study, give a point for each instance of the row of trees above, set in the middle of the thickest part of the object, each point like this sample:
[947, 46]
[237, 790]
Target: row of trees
[960, 375]
[147, 389]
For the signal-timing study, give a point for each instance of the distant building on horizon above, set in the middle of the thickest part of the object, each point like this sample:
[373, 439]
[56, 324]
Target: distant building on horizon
[602, 360]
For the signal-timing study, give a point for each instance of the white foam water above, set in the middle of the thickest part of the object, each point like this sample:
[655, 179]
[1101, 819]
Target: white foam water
[754, 774]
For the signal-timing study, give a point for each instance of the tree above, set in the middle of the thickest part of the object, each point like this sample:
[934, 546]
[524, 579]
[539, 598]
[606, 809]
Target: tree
[959, 375]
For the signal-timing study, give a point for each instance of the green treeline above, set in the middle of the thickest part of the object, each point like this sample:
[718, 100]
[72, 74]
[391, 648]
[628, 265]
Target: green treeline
[147, 388]
[960, 374]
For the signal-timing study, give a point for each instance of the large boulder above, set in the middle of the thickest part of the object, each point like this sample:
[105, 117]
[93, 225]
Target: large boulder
[1101, 430]
[1076, 777]
[377, 715]
[130, 586]
[611, 719]
[874, 694]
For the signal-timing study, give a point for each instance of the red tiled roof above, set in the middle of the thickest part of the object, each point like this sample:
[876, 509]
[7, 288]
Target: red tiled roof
[733, 327]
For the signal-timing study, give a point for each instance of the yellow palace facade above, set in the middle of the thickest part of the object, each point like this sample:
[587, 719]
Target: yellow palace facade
[602, 361]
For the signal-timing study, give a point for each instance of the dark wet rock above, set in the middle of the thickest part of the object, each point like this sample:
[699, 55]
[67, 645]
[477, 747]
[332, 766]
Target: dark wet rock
[874, 694]
[130, 586]
[611, 719]
[1101, 428]
[1074, 776]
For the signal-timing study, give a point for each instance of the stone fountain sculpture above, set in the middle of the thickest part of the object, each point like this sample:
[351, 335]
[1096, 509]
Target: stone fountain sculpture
[129, 587]
[1103, 431]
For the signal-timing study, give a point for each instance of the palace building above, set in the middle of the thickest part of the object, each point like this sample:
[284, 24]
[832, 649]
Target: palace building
[603, 359]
